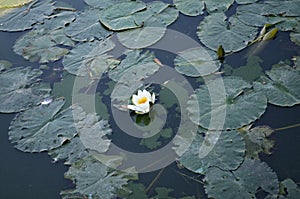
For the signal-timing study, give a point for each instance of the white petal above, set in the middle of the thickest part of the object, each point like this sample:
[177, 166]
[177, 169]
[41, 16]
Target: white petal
[139, 92]
[135, 99]
[153, 98]
[132, 107]
[147, 94]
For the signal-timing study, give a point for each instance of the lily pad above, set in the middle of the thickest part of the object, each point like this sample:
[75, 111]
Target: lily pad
[93, 177]
[281, 86]
[121, 16]
[227, 153]
[241, 104]
[295, 37]
[92, 134]
[103, 3]
[155, 19]
[43, 127]
[231, 33]
[21, 88]
[24, 17]
[42, 45]
[197, 62]
[245, 1]
[268, 12]
[135, 62]
[90, 59]
[87, 27]
[242, 183]
[13, 3]
[257, 141]
[4, 65]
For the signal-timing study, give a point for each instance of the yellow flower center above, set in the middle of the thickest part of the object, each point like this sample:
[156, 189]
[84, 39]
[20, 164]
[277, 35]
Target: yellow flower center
[142, 100]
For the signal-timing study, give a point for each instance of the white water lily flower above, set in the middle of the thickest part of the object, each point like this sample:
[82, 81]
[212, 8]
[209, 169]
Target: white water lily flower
[141, 102]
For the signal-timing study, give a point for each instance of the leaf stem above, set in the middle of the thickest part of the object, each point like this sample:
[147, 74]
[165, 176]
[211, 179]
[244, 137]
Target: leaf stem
[287, 127]
[189, 177]
[154, 180]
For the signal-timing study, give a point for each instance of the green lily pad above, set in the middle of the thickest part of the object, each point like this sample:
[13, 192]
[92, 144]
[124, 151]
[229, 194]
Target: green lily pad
[281, 86]
[268, 12]
[163, 193]
[242, 183]
[137, 190]
[155, 19]
[103, 3]
[4, 65]
[295, 37]
[190, 8]
[42, 128]
[20, 88]
[91, 136]
[257, 141]
[227, 153]
[93, 177]
[197, 62]
[24, 17]
[236, 99]
[121, 16]
[43, 45]
[245, 1]
[135, 62]
[87, 27]
[231, 33]
[90, 59]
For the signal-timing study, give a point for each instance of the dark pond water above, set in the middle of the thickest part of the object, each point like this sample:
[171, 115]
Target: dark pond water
[32, 176]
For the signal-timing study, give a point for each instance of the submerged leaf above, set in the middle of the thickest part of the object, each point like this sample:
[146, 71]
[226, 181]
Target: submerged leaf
[227, 153]
[93, 177]
[90, 59]
[43, 45]
[20, 89]
[42, 127]
[87, 27]
[281, 86]
[196, 62]
[232, 34]
[24, 17]
[243, 182]
[235, 100]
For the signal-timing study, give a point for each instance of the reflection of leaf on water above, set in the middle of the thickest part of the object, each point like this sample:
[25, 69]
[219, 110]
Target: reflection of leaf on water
[241, 104]
[227, 153]
[257, 140]
[20, 88]
[135, 190]
[93, 177]
[23, 18]
[231, 33]
[42, 127]
[249, 72]
[281, 86]
[241, 183]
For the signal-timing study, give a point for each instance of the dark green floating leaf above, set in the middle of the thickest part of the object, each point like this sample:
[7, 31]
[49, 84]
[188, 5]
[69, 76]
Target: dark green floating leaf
[43, 45]
[121, 16]
[196, 62]
[155, 19]
[43, 127]
[282, 86]
[90, 59]
[163, 193]
[227, 153]
[93, 177]
[87, 27]
[245, 1]
[136, 190]
[231, 33]
[226, 103]
[103, 3]
[242, 183]
[24, 17]
[20, 89]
